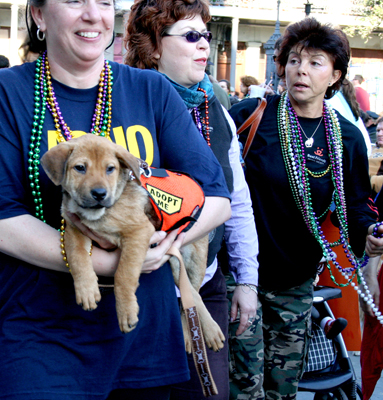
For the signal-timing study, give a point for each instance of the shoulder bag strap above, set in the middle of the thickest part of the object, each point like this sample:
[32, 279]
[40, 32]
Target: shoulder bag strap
[253, 121]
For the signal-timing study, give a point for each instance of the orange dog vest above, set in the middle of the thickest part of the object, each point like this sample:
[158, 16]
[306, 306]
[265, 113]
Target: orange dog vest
[176, 197]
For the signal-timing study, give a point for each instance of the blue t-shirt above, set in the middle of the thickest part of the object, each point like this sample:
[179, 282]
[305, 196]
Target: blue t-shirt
[50, 347]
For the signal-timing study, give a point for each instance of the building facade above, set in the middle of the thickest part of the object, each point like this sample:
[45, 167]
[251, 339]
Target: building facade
[241, 34]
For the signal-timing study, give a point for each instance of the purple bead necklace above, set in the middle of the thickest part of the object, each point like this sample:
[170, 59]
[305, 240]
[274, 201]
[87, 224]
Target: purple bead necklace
[45, 98]
[292, 144]
[102, 116]
[298, 175]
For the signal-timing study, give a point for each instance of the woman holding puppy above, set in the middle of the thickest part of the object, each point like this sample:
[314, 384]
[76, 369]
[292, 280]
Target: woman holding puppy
[171, 37]
[51, 347]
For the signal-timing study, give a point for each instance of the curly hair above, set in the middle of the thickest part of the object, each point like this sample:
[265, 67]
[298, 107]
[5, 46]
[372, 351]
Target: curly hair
[249, 80]
[311, 34]
[149, 20]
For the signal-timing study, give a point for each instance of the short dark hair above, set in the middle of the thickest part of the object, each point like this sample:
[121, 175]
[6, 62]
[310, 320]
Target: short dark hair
[148, 21]
[364, 116]
[311, 34]
[4, 62]
[227, 83]
[278, 43]
[359, 78]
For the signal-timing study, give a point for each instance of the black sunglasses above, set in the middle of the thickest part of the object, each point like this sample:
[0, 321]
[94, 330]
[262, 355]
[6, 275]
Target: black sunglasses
[194, 36]
[274, 58]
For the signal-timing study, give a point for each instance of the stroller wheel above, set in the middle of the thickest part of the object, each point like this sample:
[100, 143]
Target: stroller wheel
[329, 396]
[323, 396]
[339, 394]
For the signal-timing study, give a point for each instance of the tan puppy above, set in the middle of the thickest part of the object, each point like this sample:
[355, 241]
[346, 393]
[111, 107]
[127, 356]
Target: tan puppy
[101, 185]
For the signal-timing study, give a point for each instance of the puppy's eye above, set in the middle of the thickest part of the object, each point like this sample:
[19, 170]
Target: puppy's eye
[110, 169]
[80, 168]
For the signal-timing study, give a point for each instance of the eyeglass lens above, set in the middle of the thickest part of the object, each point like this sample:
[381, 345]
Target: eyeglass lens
[194, 36]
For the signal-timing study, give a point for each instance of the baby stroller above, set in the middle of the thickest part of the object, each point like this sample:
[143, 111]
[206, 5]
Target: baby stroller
[329, 373]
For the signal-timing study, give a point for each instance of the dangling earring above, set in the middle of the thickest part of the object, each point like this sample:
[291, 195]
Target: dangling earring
[42, 38]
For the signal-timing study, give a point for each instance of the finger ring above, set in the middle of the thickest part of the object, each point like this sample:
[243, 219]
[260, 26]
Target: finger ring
[250, 321]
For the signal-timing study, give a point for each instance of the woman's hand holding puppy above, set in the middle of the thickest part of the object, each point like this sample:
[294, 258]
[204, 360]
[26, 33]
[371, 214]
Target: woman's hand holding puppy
[155, 257]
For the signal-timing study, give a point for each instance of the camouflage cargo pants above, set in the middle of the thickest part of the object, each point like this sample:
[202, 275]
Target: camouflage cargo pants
[268, 359]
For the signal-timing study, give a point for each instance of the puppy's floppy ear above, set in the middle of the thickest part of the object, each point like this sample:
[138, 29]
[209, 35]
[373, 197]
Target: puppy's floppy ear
[54, 161]
[127, 160]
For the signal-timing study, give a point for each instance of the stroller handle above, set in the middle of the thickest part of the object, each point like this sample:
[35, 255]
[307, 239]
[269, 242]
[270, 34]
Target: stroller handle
[325, 293]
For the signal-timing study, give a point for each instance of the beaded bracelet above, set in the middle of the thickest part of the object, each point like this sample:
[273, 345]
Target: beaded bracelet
[62, 245]
[375, 231]
[250, 286]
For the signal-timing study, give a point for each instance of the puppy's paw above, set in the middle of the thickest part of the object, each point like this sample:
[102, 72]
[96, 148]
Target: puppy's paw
[87, 296]
[214, 338]
[188, 344]
[186, 333]
[127, 315]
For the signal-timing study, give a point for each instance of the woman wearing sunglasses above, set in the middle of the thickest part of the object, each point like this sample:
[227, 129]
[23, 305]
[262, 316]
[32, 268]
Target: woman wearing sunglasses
[171, 38]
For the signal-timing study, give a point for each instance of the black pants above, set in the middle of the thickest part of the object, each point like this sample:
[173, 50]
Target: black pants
[213, 294]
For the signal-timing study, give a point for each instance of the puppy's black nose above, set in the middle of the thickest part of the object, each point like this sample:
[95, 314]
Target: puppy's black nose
[98, 194]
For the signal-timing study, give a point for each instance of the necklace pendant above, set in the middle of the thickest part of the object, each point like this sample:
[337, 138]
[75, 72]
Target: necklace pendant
[309, 142]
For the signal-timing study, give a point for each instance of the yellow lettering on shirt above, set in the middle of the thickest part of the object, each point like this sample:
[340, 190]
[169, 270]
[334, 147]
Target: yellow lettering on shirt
[131, 137]
[119, 136]
[128, 141]
[53, 141]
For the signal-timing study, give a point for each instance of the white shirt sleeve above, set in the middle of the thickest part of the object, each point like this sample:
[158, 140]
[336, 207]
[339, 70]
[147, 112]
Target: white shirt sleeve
[240, 232]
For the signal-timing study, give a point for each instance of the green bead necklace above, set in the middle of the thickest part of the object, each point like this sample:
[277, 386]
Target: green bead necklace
[45, 98]
[298, 175]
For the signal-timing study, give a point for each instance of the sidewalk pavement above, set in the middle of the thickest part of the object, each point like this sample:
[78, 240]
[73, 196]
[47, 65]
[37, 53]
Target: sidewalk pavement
[377, 395]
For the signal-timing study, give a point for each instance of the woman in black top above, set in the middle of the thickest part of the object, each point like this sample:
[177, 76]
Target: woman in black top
[305, 161]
